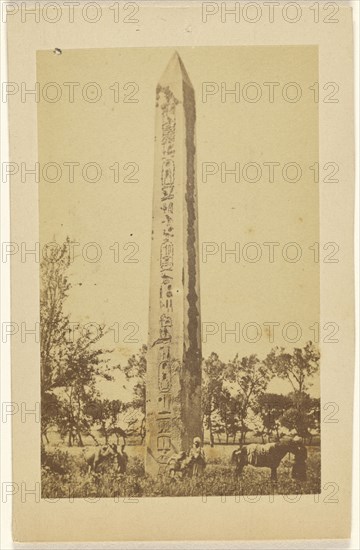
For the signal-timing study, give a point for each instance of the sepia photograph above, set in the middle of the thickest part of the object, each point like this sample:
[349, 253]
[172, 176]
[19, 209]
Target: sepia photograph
[179, 333]
[181, 359]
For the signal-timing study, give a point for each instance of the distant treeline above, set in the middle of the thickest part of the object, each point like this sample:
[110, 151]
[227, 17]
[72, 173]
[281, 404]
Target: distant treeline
[235, 400]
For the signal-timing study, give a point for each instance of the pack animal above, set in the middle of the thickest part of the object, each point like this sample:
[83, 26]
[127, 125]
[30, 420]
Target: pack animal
[269, 456]
[101, 455]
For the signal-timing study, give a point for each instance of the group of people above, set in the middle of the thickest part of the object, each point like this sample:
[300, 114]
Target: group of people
[191, 464]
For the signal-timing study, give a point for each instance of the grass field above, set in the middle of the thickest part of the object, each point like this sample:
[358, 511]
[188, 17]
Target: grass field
[64, 475]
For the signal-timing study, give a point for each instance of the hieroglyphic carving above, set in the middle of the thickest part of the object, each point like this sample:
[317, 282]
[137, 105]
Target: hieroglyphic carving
[166, 255]
[168, 173]
[164, 402]
[164, 443]
[167, 102]
[164, 425]
[164, 448]
[173, 409]
[164, 376]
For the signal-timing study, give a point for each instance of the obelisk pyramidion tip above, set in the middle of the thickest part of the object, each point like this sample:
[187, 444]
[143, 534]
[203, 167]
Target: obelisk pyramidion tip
[175, 72]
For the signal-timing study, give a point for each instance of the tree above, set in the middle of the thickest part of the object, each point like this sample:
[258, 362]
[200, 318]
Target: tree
[71, 361]
[303, 415]
[50, 407]
[271, 407]
[297, 367]
[85, 364]
[228, 406]
[54, 324]
[135, 370]
[104, 413]
[212, 381]
[248, 378]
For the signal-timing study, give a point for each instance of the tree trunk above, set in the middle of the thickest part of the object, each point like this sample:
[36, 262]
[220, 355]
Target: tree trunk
[80, 444]
[89, 434]
[277, 434]
[211, 435]
[142, 430]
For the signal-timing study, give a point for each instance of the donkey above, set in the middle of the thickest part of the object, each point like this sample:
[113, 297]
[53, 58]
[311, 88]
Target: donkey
[270, 455]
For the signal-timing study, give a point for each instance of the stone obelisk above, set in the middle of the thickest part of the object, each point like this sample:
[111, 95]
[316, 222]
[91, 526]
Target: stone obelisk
[173, 381]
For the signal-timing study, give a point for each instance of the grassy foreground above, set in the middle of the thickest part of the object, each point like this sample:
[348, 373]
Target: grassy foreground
[64, 475]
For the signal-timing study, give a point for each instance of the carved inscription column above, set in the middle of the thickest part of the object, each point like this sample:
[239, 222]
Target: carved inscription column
[173, 383]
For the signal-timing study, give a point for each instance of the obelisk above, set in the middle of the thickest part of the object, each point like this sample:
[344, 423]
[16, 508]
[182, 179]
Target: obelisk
[173, 380]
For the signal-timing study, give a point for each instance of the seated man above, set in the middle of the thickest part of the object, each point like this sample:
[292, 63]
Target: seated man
[195, 462]
[176, 465]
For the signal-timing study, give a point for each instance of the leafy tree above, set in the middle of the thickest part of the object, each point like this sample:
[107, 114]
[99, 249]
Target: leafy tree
[303, 415]
[104, 413]
[271, 407]
[212, 381]
[228, 413]
[135, 370]
[249, 378]
[297, 367]
[71, 361]
[217, 426]
[50, 407]
[54, 323]
[85, 364]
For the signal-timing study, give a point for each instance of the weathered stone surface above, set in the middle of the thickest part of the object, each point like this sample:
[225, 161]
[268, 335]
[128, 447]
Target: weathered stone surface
[173, 385]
